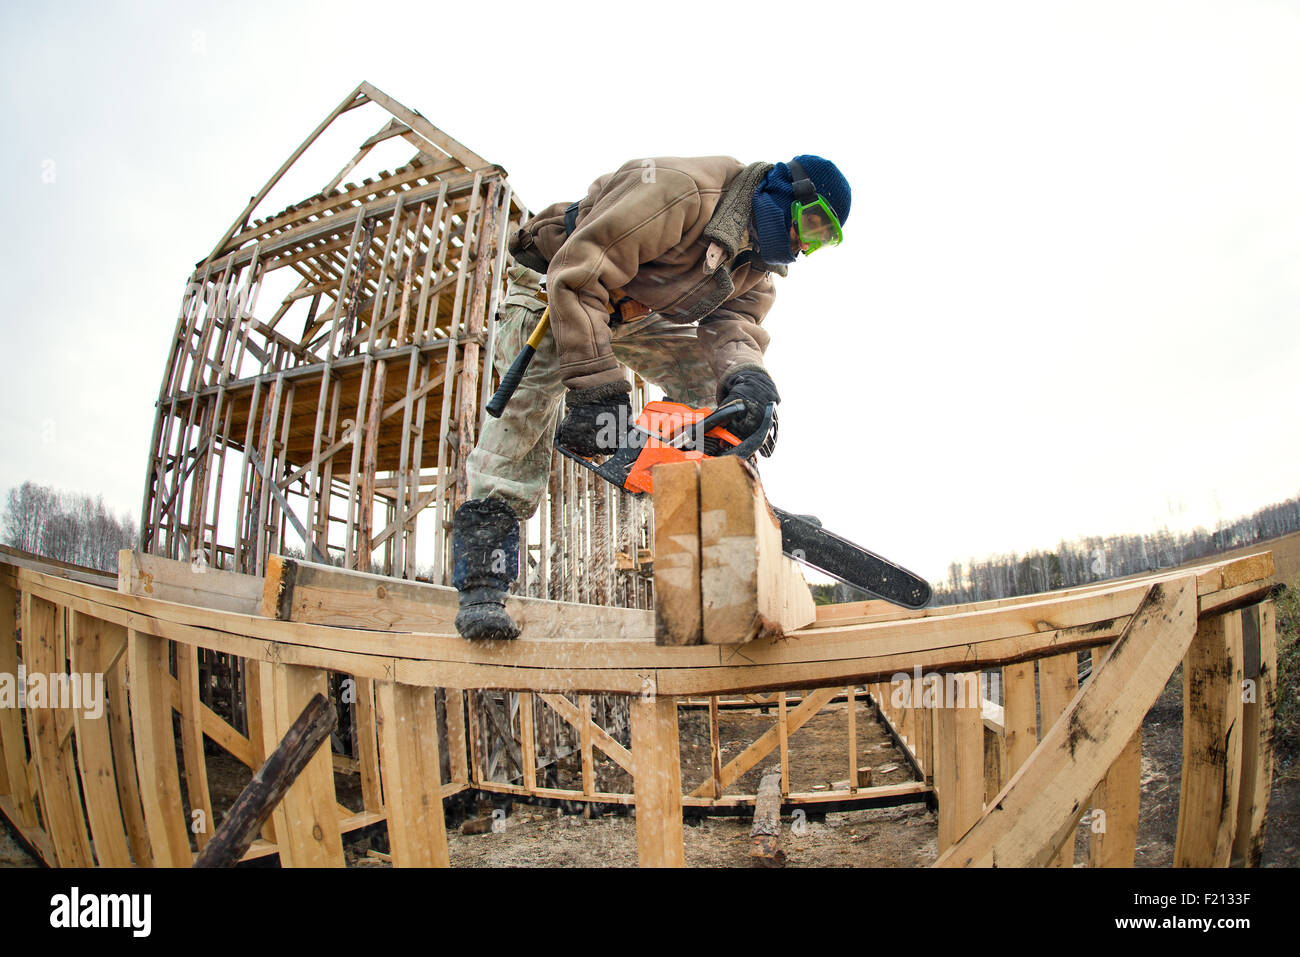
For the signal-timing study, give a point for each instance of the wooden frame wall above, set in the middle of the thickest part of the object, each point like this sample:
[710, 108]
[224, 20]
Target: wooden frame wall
[1138, 631]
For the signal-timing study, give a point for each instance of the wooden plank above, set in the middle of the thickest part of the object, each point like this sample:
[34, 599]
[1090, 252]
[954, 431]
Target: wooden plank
[657, 782]
[195, 762]
[457, 737]
[218, 730]
[783, 733]
[958, 757]
[12, 741]
[1113, 820]
[1259, 702]
[259, 701]
[306, 592]
[748, 589]
[92, 645]
[765, 834]
[527, 740]
[311, 837]
[1112, 837]
[853, 738]
[1058, 682]
[1212, 723]
[585, 725]
[52, 753]
[155, 751]
[372, 794]
[351, 101]
[1035, 812]
[424, 129]
[863, 653]
[187, 583]
[678, 613]
[128, 787]
[715, 746]
[1019, 716]
[408, 741]
[993, 760]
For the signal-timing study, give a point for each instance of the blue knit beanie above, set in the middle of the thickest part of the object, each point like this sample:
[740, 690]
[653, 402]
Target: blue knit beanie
[775, 194]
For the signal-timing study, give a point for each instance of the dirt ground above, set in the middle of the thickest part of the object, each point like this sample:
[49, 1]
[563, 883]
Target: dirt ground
[902, 836]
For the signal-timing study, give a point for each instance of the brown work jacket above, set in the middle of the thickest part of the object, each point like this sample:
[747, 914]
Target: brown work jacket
[670, 233]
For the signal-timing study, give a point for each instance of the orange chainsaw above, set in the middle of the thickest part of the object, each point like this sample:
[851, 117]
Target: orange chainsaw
[673, 432]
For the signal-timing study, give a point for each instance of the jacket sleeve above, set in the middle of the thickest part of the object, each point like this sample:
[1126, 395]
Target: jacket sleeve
[732, 335]
[626, 221]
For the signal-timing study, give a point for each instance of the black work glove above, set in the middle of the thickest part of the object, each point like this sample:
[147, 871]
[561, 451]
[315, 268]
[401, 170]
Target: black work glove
[755, 388]
[594, 427]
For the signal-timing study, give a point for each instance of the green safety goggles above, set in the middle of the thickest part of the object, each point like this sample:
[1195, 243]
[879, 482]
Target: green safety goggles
[813, 218]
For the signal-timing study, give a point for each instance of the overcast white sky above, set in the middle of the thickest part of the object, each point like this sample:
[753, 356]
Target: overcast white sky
[1066, 302]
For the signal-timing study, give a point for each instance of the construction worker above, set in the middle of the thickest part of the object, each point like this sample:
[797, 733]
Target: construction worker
[665, 266]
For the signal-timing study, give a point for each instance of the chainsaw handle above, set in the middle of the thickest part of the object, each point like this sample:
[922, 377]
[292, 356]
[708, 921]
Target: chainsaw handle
[720, 416]
[748, 447]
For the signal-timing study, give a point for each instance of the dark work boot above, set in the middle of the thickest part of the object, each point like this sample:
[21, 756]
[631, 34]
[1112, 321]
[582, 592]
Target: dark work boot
[485, 561]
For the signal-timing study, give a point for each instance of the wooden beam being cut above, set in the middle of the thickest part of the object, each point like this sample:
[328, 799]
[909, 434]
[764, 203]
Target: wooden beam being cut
[720, 576]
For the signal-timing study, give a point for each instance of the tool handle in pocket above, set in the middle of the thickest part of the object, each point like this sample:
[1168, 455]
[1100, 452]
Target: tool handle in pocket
[515, 374]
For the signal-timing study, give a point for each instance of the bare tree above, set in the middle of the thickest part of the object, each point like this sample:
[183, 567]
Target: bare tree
[68, 527]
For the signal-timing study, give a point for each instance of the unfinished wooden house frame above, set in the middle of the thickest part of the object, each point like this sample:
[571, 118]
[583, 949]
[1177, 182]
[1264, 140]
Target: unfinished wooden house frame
[326, 381]
[328, 372]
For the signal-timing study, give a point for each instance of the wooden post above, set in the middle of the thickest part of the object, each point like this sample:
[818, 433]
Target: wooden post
[958, 756]
[408, 742]
[94, 646]
[311, 837]
[1058, 681]
[765, 835]
[1212, 719]
[261, 795]
[12, 745]
[155, 751]
[1019, 716]
[1113, 822]
[1259, 701]
[657, 782]
[52, 751]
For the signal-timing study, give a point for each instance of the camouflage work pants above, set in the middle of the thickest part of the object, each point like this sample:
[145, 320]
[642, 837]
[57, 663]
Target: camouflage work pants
[512, 458]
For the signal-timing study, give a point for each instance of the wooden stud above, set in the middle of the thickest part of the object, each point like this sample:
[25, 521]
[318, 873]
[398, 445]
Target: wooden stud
[408, 741]
[1058, 681]
[657, 782]
[1212, 722]
[196, 770]
[155, 751]
[311, 836]
[1259, 702]
[959, 757]
[52, 751]
[12, 742]
[93, 648]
